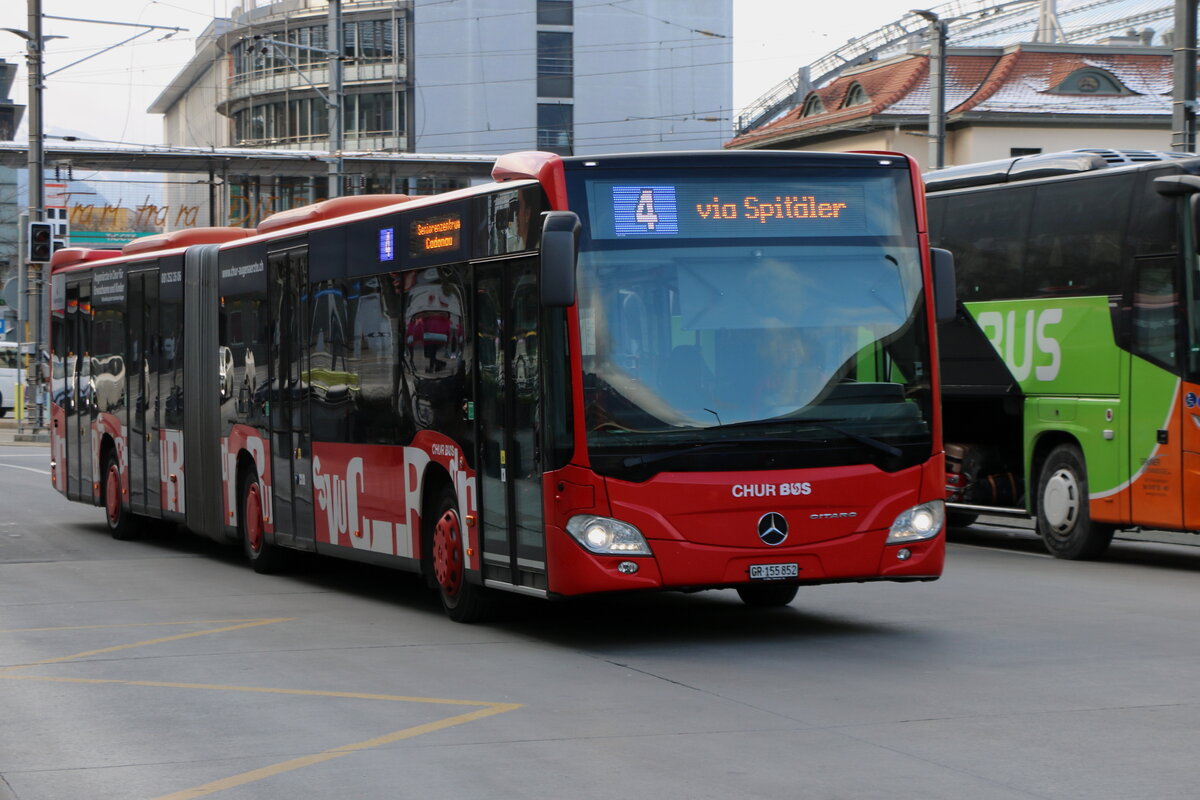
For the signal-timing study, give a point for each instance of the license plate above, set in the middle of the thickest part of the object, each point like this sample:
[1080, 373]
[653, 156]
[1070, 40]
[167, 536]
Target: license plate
[772, 572]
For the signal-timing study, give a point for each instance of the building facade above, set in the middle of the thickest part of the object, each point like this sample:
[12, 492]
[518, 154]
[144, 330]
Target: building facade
[1013, 85]
[449, 77]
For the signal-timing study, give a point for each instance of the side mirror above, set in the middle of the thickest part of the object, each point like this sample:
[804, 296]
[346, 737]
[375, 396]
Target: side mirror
[944, 289]
[560, 243]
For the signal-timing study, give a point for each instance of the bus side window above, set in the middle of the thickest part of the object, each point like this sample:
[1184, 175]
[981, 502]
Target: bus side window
[986, 233]
[1076, 236]
[1156, 312]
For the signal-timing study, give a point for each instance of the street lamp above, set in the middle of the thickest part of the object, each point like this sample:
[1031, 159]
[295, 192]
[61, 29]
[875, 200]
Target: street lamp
[937, 87]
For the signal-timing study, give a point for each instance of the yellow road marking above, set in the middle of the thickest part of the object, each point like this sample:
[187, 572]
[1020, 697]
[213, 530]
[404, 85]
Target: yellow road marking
[337, 752]
[161, 640]
[216, 687]
[486, 709]
[132, 625]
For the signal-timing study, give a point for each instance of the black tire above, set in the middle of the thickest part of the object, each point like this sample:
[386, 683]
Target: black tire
[768, 595]
[121, 523]
[462, 600]
[265, 557]
[1063, 517]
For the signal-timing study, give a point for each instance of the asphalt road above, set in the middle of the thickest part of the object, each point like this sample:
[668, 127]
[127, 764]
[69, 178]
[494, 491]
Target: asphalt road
[166, 668]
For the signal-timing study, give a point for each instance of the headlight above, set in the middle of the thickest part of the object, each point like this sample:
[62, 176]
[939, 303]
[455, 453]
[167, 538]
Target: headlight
[919, 522]
[606, 536]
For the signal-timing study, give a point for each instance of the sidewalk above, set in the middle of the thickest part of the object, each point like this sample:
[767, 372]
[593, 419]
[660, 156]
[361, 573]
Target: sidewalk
[9, 433]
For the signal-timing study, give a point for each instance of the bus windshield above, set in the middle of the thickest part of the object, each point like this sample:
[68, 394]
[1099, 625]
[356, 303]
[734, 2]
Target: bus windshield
[787, 342]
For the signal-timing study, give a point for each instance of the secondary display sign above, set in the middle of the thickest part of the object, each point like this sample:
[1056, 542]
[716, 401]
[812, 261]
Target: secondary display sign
[741, 208]
[438, 234]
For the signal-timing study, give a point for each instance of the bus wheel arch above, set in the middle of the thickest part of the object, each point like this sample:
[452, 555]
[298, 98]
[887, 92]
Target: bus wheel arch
[121, 522]
[265, 556]
[444, 541]
[1060, 501]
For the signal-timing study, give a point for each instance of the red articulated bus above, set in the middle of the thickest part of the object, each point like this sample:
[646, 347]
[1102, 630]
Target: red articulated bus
[661, 371]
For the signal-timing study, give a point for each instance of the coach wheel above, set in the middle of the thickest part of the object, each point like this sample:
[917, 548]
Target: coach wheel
[768, 595]
[1063, 517]
[462, 600]
[3, 410]
[265, 558]
[121, 524]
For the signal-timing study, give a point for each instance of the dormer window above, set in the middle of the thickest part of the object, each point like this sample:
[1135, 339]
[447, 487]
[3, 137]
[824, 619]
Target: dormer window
[813, 106]
[1091, 81]
[856, 95]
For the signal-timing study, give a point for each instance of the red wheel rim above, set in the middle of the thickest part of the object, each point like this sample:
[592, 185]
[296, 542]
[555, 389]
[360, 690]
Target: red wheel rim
[254, 526]
[112, 495]
[447, 553]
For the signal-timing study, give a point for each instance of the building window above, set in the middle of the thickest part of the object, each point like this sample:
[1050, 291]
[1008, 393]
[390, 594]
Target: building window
[1091, 81]
[307, 119]
[856, 95]
[813, 106]
[555, 64]
[1016, 152]
[554, 126]
[363, 41]
[555, 12]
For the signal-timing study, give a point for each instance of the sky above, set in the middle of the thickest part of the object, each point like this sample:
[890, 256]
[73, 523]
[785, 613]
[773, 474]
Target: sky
[105, 97]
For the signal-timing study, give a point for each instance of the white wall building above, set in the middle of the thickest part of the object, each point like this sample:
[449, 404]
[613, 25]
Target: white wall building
[463, 76]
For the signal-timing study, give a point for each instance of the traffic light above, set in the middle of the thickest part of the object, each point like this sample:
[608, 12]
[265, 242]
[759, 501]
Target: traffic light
[41, 242]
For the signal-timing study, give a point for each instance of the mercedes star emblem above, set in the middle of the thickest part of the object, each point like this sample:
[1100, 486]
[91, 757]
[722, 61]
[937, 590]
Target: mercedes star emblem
[772, 528]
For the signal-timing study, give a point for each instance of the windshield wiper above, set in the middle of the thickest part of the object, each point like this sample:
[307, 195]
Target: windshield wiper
[700, 447]
[882, 447]
[827, 424]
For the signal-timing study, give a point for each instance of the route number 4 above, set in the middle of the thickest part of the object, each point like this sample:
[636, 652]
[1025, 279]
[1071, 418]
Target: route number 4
[644, 211]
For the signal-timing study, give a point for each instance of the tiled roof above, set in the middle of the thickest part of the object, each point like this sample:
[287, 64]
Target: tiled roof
[887, 85]
[1021, 81]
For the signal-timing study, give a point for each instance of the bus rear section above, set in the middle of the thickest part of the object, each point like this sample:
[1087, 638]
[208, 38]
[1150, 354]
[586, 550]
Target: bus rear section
[670, 371]
[1070, 376]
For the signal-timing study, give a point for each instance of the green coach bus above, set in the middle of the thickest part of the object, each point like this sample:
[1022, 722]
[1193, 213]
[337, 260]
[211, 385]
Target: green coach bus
[1071, 375]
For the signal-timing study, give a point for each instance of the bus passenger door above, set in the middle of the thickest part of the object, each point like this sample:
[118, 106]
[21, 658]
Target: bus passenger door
[142, 376]
[508, 415]
[291, 452]
[1156, 412]
[71, 400]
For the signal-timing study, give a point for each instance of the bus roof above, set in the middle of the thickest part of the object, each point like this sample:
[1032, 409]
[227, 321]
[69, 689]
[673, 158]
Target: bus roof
[1051, 165]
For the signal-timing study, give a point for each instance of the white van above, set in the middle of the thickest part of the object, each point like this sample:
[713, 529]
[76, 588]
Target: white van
[8, 377]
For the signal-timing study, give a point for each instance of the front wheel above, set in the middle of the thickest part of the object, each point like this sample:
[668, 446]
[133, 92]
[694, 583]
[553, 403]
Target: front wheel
[1064, 518]
[265, 558]
[121, 523]
[768, 595]
[462, 600]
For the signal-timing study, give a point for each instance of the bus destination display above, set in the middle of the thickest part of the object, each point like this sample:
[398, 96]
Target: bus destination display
[435, 234]
[737, 209]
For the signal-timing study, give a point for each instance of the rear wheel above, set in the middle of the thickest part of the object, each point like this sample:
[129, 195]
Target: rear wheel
[768, 595]
[265, 558]
[462, 600]
[1064, 519]
[121, 524]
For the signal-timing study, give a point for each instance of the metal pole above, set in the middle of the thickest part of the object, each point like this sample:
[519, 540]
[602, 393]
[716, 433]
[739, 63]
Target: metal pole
[336, 138]
[937, 100]
[1183, 109]
[937, 87]
[37, 200]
